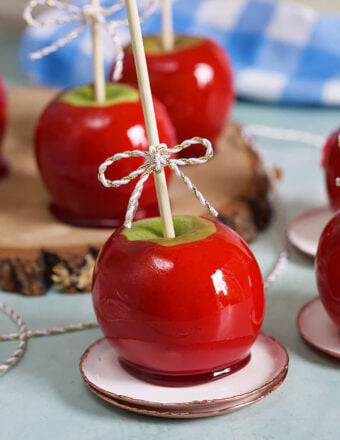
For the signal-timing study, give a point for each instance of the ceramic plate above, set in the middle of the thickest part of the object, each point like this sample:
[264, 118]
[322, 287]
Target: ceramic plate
[266, 370]
[316, 327]
[305, 230]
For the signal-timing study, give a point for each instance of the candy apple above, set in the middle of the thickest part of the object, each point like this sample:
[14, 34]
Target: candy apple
[331, 163]
[327, 266]
[194, 81]
[179, 310]
[3, 165]
[75, 134]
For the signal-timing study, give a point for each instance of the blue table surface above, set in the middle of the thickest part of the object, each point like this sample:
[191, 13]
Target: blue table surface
[45, 397]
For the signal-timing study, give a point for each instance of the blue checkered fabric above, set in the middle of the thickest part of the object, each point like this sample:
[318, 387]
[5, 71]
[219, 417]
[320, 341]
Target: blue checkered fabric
[280, 52]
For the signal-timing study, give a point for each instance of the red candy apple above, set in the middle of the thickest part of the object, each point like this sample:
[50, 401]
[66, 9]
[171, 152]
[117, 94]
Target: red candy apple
[194, 81]
[331, 163]
[327, 266]
[75, 134]
[179, 310]
[3, 165]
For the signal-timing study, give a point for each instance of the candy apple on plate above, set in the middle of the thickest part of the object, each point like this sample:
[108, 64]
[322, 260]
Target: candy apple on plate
[3, 165]
[327, 266]
[193, 81]
[331, 163]
[181, 310]
[75, 134]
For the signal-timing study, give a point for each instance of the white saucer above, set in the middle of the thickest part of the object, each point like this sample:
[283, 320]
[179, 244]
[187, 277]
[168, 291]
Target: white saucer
[317, 328]
[305, 230]
[105, 377]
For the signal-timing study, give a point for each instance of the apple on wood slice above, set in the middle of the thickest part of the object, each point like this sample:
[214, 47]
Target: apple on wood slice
[3, 113]
[75, 134]
[182, 310]
[193, 81]
[327, 266]
[331, 163]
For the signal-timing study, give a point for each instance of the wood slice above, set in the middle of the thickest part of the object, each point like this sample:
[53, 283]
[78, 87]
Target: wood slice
[37, 251]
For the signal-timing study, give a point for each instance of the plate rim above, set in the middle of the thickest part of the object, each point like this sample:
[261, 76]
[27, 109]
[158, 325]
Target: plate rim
[298, 219]
[172, 413]
[305, 337]
[277, 379]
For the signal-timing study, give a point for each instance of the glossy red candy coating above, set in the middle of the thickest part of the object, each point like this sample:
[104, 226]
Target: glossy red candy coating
[184, 309]
[327, 266]
[72, 141]
[331, 163]
[3, 105]
[195, 84]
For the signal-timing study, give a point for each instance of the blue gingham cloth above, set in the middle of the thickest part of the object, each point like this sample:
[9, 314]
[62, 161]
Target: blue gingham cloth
[282, 53]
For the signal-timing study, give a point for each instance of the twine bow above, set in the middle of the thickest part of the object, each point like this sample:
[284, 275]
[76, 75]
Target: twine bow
[156, 159]
[85, 15]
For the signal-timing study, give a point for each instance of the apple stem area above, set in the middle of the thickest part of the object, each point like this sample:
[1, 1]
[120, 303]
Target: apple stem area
[98, 62]
[167, 26]
[149, 114]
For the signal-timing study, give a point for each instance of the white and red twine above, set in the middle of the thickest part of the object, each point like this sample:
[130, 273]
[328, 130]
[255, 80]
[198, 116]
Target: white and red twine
[82, 17]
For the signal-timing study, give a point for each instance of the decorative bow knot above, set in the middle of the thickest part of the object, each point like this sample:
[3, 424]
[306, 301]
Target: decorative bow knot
[85, 15]
[156, 159]
[91, 12]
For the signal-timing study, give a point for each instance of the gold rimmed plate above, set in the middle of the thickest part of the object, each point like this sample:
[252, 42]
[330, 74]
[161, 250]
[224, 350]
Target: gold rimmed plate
[317, 328]
[305, 230]
[103, 374]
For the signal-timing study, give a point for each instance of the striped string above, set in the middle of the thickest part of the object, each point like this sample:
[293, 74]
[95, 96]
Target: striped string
[22, 336]
[84, 16]
[59, 330]
[278, 212]
[156, 158]
[285, 134]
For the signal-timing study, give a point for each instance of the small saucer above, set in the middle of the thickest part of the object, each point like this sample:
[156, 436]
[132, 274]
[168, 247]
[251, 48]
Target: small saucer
[317, 328]
[105, 377]
[305, 230]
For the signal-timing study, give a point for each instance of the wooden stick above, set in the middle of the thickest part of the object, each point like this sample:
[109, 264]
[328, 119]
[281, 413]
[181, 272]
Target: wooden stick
[168, 38]
[98, 62]
[149, 113]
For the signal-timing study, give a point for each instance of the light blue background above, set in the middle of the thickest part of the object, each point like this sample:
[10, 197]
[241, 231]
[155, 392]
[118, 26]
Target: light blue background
[44, 396]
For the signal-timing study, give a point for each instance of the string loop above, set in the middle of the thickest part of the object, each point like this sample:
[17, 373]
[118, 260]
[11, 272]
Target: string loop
[156, 158]
[84, 15]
